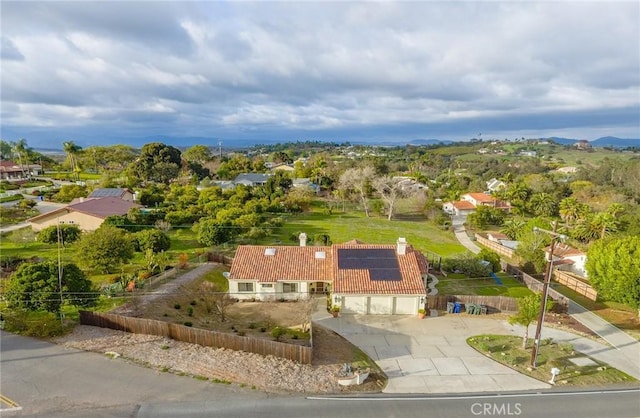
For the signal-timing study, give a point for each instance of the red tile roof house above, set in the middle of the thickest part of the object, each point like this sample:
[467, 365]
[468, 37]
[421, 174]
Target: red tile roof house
[88, 214]
[568, 258]
[470, 201]
[361, 278]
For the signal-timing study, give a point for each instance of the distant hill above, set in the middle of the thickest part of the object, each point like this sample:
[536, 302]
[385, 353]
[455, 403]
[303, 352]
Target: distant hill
[612, 141]
[605, 141]
[429, 141]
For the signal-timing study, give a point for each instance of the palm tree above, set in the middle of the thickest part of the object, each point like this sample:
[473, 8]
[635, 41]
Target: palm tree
[21, 150]
[513, 227]
[72, 151]
[571, 210]
[543, 204]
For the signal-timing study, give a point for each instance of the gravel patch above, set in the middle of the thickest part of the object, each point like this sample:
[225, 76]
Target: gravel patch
[268, 373]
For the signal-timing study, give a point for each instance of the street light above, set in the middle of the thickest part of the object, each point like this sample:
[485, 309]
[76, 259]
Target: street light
[545, 288]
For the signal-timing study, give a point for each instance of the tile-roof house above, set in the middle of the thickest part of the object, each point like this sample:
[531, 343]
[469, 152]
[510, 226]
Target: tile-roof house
[361, 278]
[568, 258]
[469, 202]
[252, 179]
[124, 194]
[10, 170]
[88, 214]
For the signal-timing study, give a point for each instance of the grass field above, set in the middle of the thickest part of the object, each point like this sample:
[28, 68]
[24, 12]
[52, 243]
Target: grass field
[343, 227]
[459, 284]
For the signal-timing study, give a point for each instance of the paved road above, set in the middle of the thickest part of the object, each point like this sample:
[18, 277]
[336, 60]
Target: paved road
[49, 380]
[52, 381]
[457, 221]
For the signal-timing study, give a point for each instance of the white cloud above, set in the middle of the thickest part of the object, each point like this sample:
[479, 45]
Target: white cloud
[291, 67]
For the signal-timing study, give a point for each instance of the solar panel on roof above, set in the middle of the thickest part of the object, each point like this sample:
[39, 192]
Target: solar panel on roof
[381, 263]
[106, 193]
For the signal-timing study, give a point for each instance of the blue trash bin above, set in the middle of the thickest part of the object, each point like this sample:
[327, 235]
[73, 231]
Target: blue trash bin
[457, 307]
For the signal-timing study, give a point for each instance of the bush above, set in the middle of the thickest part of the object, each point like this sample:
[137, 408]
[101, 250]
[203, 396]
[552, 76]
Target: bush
[188, 324]
[152, 239]
[33, 324]
[68, 234]
[190, 311]
[177, 306]
[278, 332]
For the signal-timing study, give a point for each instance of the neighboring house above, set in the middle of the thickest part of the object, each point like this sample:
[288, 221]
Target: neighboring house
[496, 236]
[460, 207]
[567, 170]
[252, 179]
[283, 167]
[528, 153]
[88, 214]
[583, 144]
[10, 170]
[568, 258]
[124, 194]
[470, 201]
[305, 183]
[409, 184]
[361, 278]
[494, 185]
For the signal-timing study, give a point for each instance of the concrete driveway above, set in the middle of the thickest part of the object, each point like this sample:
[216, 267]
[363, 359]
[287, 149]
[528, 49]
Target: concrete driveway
[431, 355]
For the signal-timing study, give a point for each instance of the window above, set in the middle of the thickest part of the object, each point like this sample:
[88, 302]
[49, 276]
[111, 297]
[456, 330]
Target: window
[267, 285]
[289, 287]
[71, 222]
[245, 287]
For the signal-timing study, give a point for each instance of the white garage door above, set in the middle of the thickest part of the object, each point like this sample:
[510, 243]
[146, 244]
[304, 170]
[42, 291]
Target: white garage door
[405, 305]
[380, 305]
[354, 304]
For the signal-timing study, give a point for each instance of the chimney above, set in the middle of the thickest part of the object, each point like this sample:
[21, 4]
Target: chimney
[402, 246]
[303, 239]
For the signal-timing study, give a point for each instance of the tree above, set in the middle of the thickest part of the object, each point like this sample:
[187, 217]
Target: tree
[543, 204]
[157, 162]
[105, 249]
[530, 250]
[571, 210]
[390, 190]
[199, 154]
[513, 227]
[68, 234]
[152, 239]
[528, 311]
[492, 257]
[358, 180]
[72, 150]
[20, 149]
[36, 287]
[216, 299]
[68, 192]
[214, 232]
[613, 267]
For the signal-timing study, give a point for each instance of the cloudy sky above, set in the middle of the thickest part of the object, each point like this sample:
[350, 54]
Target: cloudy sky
[112, 72]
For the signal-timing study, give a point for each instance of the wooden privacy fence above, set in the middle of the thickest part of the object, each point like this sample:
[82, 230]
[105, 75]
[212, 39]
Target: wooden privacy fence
[495, 246]
[493, 303]
[219, 258]
[561, 302]
[575, 284]
[202, 337]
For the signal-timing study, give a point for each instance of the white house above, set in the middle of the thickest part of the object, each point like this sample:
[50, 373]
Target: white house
[361, 278]
[568, 258]
[494, 185]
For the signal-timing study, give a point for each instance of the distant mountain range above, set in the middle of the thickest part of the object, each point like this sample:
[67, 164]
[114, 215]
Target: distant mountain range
[605, 141]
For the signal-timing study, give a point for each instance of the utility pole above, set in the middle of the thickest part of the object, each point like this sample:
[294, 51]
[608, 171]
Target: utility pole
[545, 289]
[60, 269]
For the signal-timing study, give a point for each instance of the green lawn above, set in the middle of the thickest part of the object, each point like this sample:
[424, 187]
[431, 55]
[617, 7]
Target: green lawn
[343, 227]
[508, 350]
[459, 284]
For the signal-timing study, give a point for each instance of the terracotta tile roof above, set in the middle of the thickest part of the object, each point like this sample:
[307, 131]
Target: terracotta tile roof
[296, 263]
[463, 205]
[564, 250]
[359, 281]
[481, 197]
[287, 263]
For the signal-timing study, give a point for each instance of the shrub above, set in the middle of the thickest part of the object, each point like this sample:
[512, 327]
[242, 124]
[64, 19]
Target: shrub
[68, 234]
[278, 332]
[177, 306]
[33, 324]
[153, 239]
[188, 324]
[190, 311]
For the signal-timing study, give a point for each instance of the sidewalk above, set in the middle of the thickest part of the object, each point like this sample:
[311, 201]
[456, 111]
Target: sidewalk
[457, 221]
